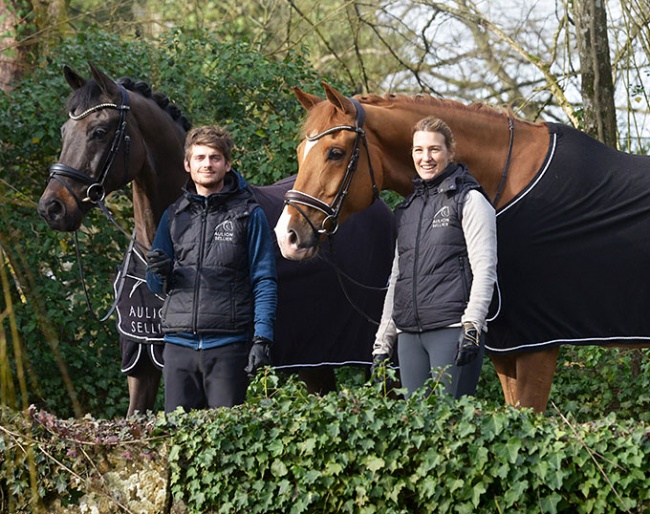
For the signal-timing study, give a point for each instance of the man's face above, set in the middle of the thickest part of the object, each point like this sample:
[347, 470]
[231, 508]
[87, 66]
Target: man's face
[207, 166]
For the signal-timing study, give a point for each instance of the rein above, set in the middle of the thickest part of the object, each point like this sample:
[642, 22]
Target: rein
[340, 275]
[332, 211]
[95, 192]
[504, 174]
[330, 223]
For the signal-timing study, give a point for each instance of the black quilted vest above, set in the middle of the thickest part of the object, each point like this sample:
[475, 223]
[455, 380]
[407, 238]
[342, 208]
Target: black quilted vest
[435, 277]
[211, 290]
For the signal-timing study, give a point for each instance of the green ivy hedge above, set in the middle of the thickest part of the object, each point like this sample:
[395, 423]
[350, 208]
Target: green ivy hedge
[356, 451]
[361, 451]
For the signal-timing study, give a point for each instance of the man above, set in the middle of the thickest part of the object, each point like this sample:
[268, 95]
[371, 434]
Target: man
[213, 255]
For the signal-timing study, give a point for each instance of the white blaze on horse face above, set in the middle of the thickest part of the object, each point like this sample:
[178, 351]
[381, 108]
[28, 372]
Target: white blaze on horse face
[308, 146]
[284, 233]
[290, 249]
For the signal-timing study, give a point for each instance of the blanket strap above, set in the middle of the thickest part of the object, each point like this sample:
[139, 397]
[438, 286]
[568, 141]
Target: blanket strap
[504, 174]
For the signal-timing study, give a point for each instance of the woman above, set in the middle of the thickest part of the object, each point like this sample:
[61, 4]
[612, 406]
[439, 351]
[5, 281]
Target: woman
[444, 270]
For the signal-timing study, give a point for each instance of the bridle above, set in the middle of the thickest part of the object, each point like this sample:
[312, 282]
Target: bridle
[295, 198]
[95, 192]
[330, 223]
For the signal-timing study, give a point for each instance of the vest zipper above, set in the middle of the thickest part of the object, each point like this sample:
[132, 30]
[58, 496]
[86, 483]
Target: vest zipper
[416, 259]
[199, 265]
[461, 261]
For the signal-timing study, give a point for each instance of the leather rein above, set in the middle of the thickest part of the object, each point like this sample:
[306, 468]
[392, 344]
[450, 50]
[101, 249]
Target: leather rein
[504, 173]
[330, 223]
[95, 191]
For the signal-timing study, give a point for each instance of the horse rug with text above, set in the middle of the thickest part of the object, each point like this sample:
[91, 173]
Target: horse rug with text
[138, 313]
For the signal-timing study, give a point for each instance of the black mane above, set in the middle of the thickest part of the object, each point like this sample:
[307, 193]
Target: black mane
[87, 96]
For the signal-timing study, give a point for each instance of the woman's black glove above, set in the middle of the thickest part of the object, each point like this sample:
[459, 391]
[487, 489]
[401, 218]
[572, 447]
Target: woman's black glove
[468, 344]
[159, 262]
[259, 356]
[378, 360]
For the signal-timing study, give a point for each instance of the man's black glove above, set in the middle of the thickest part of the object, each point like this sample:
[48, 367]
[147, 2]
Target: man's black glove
[378, 360]
[468, 344]
[259, 356]
[159, 262]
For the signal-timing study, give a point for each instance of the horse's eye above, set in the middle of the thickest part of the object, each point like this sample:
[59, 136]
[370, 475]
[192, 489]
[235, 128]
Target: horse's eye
[98, 133]
[335, 154]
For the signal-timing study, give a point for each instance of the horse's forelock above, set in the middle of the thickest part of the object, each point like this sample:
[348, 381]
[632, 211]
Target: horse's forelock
[84, 97]
[321, 117]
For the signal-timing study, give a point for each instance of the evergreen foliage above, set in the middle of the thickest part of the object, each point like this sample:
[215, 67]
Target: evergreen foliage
[357, 451]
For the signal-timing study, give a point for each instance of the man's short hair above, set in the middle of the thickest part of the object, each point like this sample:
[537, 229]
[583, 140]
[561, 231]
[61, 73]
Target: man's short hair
[213, 136]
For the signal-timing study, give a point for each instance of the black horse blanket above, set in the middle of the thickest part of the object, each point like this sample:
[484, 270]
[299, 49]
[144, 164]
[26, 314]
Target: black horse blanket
[574, 250]
[323, 318]
[138, 313]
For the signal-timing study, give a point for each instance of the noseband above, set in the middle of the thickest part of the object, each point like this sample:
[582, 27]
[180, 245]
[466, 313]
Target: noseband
[95, 191]
[332, 211]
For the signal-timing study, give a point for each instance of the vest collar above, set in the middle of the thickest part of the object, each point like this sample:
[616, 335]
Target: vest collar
[445, 181]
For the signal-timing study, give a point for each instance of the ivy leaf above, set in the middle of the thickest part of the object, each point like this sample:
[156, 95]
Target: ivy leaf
[333, 468]
[278, 468]
[512, 447]
[375, 463]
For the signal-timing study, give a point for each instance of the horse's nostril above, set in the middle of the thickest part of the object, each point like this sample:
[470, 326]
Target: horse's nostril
[293, 237]
[53, 209]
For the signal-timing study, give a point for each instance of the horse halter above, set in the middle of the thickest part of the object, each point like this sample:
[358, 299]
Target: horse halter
[332, 211]
[95, 191]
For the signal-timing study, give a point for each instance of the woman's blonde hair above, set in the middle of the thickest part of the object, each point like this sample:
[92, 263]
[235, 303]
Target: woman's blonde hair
[433, 124]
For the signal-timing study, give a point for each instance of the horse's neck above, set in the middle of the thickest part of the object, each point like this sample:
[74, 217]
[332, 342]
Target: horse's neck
[495, 151]
[482, 142]
[161, 176]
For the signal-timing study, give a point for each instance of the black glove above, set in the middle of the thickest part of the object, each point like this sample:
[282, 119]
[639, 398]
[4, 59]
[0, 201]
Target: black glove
[159, 262]
[259, 356]
[468, 345]
[378, 360]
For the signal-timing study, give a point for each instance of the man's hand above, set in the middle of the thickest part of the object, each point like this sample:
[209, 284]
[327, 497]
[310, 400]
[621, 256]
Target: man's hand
[259, 356]
[468, 344]
[159, 262]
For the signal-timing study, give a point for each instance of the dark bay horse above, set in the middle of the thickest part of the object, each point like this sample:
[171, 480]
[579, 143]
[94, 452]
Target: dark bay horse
[121, 132]
[573, 219]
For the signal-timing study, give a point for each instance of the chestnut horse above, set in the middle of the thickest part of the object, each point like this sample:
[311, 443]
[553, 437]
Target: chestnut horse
[561, 246]
[119, 132]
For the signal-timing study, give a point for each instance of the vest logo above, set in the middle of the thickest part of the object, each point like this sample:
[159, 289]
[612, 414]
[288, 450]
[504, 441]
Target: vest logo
[441, 218]
[224, 231]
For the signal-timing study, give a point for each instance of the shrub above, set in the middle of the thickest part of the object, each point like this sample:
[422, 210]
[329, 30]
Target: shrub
[361, 451]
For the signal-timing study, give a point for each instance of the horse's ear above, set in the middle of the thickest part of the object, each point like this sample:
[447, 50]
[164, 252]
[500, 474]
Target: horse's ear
[75, 80]
[340, 101]
[307, 101]
[105, 83]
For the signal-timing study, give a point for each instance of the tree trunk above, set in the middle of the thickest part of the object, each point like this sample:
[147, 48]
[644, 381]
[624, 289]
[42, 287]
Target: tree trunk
[599, 115]
[11, 52]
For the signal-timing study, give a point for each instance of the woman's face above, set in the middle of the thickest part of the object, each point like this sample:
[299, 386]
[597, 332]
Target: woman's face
[430, 153]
